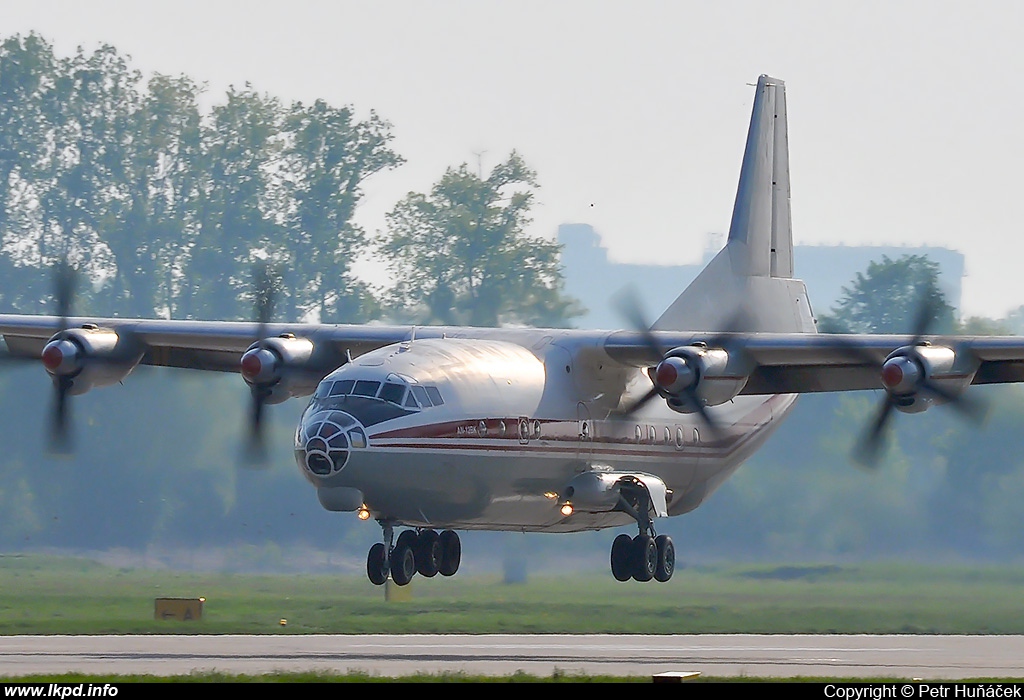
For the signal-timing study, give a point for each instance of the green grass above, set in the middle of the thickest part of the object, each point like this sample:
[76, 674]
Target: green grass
[51, 595]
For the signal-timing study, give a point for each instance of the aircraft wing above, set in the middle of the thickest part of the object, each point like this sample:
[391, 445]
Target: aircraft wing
[776, 363]
[204, 345]
[795, 363]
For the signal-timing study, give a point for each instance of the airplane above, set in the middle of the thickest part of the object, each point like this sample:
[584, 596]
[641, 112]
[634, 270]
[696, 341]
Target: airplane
[433, 430]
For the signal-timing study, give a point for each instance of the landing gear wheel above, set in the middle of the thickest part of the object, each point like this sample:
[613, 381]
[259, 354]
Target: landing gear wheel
[377, 564]
[403, 563]
[666, 558]
[645, 558]
[622, 566]
[451, 553]
[408, 539]
[428, 553]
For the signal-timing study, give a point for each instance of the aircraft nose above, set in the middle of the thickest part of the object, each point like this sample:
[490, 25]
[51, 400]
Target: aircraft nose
[325, 440]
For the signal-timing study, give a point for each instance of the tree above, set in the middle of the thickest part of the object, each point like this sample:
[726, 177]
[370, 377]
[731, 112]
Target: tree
[327, 157]
[890, 297]
[461, 254]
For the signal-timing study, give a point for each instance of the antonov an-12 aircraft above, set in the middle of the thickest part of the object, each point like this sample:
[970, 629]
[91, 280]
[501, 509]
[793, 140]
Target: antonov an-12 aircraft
[439, 429]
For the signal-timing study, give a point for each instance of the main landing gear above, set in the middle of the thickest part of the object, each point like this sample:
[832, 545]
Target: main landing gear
[422, 551]
[647, 555]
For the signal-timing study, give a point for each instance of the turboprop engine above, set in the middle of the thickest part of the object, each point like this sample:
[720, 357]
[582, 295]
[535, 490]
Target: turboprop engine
[919, 376]
[80, 359]
[695, 376]
[275, 367]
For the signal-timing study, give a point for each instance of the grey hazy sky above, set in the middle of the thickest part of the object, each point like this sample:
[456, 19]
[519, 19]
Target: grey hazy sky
[904, 117]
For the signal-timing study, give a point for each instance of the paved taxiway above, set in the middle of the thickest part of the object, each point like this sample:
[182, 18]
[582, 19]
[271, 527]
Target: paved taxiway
[847, 656]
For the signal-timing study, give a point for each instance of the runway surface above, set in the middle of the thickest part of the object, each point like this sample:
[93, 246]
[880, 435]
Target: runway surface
[928, 657]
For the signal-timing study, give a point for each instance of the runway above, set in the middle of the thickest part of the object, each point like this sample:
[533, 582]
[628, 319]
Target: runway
[847, 656]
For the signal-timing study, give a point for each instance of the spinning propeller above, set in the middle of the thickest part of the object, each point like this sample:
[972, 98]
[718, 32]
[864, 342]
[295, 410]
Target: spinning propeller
[676, 376]
[79, 358]
[60, 355]
[905, 375]
[258, 362]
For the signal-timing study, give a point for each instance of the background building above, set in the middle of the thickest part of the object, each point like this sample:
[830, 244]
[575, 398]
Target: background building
[594, 279]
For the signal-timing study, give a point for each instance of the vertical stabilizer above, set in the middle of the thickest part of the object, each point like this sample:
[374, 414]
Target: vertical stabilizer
[753, 273]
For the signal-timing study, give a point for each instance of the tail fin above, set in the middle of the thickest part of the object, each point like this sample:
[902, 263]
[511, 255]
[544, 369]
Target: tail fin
[753, 274]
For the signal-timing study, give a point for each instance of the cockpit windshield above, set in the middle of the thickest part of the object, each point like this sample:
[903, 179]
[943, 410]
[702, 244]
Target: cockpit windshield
[395, 390]
[394, 393]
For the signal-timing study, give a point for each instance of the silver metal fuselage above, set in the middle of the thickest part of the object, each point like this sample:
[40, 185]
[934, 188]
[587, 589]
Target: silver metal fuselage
[523, 412]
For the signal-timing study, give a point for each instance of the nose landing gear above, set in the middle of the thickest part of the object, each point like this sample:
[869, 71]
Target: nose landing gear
[424, 551]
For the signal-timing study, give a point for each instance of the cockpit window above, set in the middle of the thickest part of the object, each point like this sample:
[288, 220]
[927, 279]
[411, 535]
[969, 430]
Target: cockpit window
[393, 393]
[410, 401]
[366, 388]
[421, 395]
[342, 388]
[435, 396]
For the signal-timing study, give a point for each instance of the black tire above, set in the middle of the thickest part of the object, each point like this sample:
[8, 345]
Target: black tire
[645, 558]
[666, 558]
[407, 538]
[428, 553]
[622, 564]
[403, 564]
[451, 553]
[377, 564]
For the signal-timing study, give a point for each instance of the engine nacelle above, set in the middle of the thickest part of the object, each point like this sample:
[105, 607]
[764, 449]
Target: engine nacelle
[278, 366]
[695, 372]
[89, 357]
[916, 376]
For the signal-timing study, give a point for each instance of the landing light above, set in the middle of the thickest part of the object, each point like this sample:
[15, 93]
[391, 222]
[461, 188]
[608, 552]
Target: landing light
[363, 513]
[567, 509]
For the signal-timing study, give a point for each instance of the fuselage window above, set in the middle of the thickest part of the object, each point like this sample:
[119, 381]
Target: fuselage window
[395, 393]
[342, 388]
[421, 395]
[366, 388]
[435, 396]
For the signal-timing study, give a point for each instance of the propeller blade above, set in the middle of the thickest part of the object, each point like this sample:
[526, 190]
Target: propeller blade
[700, 409]
[264, 296]
[256, 445]
[926, 316]
[968, 407]
[628, 305]
[638, 404]
[869, 447]
[739, 322]
[59, 442]
[64, 284]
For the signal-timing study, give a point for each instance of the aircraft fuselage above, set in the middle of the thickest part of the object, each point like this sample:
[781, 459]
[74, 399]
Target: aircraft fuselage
[488, 432]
